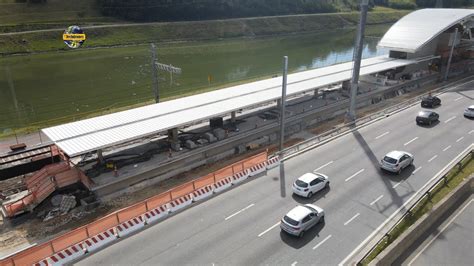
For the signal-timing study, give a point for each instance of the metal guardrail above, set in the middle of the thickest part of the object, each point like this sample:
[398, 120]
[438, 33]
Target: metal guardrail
[424, 192]
[307, 144]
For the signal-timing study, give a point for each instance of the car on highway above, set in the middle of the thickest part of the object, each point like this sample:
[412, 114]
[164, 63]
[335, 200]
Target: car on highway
[301, 218]
[430, 101]
[427, 117]
[396, 161]
[469, 112]
[310, 183]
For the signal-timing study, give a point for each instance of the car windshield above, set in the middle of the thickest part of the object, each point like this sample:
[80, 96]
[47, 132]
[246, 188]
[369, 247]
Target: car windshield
[290, 221]
[390, 160]
[423, 114]
[301, 183]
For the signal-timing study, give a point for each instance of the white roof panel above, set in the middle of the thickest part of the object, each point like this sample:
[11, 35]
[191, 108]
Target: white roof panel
[419, 27]
[80, 137]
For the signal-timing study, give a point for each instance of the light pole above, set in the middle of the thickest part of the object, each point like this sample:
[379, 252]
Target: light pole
[283, 103]
[357, 59]
[154, 70]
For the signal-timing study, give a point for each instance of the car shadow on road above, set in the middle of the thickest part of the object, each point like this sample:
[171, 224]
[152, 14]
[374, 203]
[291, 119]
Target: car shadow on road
[319, 195]
[429, 126]
[404, 175]
[299, 242]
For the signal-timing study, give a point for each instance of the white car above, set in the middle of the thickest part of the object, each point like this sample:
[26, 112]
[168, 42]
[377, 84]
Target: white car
[469, 112]
[396, 161]
[301, 219]
[309, 183]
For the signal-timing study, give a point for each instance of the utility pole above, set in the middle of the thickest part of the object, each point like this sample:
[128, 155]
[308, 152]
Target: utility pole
[357, 57]
[283, 103]
[451, 54]
[154, 72]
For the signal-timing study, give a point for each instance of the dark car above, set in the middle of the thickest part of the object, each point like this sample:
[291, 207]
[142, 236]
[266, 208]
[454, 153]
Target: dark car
[430, 101]
[426, 117]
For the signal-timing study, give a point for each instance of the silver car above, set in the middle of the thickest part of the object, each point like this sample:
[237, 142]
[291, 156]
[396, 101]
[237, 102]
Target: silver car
[469, 112]
[301, 219]
[396, 161]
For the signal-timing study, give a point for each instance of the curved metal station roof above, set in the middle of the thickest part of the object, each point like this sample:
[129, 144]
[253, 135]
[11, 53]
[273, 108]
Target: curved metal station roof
[416, 29]
[88, 135]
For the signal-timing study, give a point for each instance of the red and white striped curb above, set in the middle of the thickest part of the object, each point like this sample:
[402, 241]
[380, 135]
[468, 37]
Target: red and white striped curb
[258, 168]
[64, 256]
[222, 184]
[180, 203]
[156, 214]
[43, 262]
[130, 226]
[203, 193]
[273, 162]
[239, 177]
[100, 240]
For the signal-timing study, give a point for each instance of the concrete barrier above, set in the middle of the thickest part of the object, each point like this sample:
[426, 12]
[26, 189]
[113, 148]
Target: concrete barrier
[273, 162]
[257, 169]
[240, 177]
[100, 240]
[130, 226]
[180, 203]
[404, 241]
[223, 184]
[157, 214]
[203, 193]
[66, 255]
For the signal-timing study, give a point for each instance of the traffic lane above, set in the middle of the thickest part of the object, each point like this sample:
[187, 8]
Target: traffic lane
[228, 192]
[450, 243]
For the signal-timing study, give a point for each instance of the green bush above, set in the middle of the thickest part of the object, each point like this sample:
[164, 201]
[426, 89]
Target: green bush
[402, 4]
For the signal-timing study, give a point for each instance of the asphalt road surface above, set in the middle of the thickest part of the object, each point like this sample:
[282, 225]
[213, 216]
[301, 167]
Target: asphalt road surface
[241, 226]
[450, 243]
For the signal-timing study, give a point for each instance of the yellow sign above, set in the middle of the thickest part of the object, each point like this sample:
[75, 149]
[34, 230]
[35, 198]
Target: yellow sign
[74, 37]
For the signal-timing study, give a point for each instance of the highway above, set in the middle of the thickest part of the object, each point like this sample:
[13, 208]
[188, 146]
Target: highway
[241, 226]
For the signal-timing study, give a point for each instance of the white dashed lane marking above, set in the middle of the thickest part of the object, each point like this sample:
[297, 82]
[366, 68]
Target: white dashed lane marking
[461, 138]
[352, 176]
[410, 141]
[384, 134]
[432, 158]
[447, 148]
[322, 166]
[322, 242]
[457, 99]
[447, 121]
[271, 227]
[375, 201]
[417, 169]
[232, 215]
[351, 219]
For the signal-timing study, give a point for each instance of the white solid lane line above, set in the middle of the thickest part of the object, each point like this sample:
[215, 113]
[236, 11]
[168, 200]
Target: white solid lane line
[386, 133]
[417, 169]
[322, 242]
[352, 176]
[447, 148]
[439, 233]
[294, 263]
[410, 141]
[432, 158]
[234, 214]
[447, 121]
[458, 140]
[457, 99]
[377, 199]
[271, 227]
[322, 166]
[351, 219]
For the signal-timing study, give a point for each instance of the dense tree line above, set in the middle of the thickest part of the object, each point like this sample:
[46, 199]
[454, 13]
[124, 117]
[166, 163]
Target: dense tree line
[175, 10]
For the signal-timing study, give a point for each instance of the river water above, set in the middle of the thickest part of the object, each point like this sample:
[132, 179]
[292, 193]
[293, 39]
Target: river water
[51, 88]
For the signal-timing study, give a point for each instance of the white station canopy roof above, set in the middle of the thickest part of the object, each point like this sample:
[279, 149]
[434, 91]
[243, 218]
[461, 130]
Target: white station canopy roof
[416, 29]
[91, 134]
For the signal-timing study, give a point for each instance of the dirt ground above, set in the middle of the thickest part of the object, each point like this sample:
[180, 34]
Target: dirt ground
[29, 228]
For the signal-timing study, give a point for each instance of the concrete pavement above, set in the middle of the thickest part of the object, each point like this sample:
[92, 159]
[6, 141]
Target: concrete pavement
[361, 197]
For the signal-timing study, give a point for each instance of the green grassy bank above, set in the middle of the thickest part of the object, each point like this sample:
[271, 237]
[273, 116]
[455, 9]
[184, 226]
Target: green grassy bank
[191, 31]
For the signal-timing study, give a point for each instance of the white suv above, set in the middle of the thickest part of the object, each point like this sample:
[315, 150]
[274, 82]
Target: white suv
[309, 183]
[396, 161]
